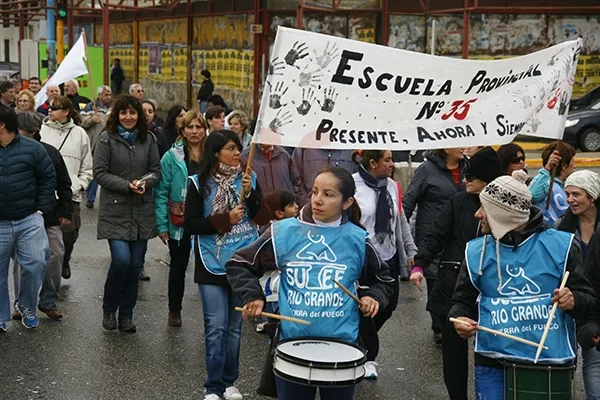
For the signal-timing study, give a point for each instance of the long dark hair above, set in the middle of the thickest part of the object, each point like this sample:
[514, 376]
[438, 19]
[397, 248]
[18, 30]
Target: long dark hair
[172, 115]
[506, 153]
[347, 187]
[213, 144]
[123, 103]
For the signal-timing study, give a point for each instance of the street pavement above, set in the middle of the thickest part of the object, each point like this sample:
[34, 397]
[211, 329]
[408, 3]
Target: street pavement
[75, 359]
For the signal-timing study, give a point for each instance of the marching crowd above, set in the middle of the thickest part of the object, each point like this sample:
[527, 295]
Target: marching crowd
[482, 230]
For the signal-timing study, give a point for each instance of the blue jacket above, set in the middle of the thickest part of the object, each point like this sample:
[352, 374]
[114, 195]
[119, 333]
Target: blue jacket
[27, 179]
[539, 187]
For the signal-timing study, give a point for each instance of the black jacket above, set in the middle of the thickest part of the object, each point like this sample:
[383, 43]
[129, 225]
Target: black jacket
[449, 233]
[430, 188]
[27, 179]
[63, 207]
[79, 101]
[464, 301]
[197, 224]
[589, 327]
[250, 263]
[206, 90]
[569, 222]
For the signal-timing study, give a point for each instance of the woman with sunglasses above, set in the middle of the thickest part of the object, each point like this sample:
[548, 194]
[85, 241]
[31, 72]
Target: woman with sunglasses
[222, 222]
[512, 158]
[449, 234]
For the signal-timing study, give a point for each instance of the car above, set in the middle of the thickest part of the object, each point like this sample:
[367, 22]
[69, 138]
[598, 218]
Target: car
[582, 128]
[586, 100]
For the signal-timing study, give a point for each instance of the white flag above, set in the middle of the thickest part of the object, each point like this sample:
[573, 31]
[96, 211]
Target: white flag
[72, 67]
[334, 93]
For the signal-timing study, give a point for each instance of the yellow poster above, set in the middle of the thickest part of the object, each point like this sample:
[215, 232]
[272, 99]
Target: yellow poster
[366, 35]
[587, 76]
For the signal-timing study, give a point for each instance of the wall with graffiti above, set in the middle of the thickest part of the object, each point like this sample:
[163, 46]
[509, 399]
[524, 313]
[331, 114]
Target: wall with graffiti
[224, 46]
[121, 46]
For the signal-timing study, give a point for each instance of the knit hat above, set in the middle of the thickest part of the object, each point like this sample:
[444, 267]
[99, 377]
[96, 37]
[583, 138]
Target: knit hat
[506, 202]
[484, 165]
[586, 180]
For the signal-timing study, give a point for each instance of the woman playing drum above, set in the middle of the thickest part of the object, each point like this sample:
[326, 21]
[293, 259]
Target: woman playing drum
[325, 244]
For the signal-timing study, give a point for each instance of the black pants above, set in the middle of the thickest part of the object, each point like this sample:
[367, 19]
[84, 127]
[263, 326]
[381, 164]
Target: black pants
[436, 320]
[71, 233]
[455, 352]
[369, 327]
[179, 250]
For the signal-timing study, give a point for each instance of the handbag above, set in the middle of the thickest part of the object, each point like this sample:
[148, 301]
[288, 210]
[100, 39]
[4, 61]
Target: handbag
[176, 212]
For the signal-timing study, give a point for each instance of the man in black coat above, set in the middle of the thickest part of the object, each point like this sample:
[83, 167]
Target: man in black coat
[72, 92]
[29, 126]
[206, 90]
[26, 195]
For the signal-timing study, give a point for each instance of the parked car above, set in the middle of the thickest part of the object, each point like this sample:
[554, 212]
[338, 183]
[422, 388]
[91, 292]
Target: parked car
[9, 74]
[582, 128]
[586, 100]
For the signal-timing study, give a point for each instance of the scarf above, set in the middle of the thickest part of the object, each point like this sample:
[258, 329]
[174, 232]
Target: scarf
[385, 206]
[128, 135]
[227, 197]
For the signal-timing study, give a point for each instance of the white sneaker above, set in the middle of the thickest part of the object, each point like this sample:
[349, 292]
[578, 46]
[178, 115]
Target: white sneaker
[371, 370]
[212, 396]
[232, 393]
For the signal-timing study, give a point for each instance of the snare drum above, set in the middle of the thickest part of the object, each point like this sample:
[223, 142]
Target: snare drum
[319, 362]
[538, 382]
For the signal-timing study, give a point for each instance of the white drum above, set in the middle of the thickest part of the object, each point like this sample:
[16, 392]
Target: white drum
[319, 362]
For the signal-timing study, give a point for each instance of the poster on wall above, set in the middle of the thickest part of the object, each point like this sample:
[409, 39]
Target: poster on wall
[329, 92]
[154, 59]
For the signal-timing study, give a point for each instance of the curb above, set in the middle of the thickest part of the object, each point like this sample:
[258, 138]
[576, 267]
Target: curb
[579, 162]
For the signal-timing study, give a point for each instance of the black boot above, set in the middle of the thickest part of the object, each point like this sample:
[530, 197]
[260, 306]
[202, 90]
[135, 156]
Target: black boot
[109, 321]
[66, 269]
[125, 325]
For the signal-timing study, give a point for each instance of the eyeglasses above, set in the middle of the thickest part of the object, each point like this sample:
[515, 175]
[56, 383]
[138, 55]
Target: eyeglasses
[55, 108]
[516, 160]
[231, 148]
[140, 91]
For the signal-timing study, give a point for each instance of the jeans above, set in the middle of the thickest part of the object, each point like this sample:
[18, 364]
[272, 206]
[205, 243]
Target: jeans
[203, 106]
[289, 390]
[222, 334]
[455, 355]
[122, 280]
[179, 250]
[591, 373]
[27, 237]
[92, 190]
[489, 383]
[52, 278]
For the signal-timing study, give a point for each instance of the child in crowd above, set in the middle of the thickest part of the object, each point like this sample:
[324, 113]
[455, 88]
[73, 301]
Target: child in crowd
[282, 204]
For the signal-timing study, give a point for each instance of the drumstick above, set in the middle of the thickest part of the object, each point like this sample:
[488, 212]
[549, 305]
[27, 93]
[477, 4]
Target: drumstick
[277, 316]
[547, 329]
[349, 293]
[493, 332]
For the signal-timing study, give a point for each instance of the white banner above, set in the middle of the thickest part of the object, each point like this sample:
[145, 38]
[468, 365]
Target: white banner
[327, 92]
[72, 67]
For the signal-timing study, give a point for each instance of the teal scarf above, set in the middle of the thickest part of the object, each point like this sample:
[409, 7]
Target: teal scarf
[128, 135]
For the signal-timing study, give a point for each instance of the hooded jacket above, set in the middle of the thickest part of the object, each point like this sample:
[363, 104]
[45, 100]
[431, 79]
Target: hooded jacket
[464, 301]
[430, 188]
[73, 144]
[250, 263]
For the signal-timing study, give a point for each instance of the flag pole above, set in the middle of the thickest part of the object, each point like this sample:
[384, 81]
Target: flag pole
[89, 68]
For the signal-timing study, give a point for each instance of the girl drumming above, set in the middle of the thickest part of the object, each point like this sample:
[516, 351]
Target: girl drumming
[324, 244]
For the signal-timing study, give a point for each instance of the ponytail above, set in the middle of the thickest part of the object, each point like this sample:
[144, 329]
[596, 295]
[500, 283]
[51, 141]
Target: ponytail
[354, 214]
[364, 157]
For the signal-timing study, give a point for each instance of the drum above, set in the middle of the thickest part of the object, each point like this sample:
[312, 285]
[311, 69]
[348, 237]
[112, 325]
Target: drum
[319, 362]
[538, 382]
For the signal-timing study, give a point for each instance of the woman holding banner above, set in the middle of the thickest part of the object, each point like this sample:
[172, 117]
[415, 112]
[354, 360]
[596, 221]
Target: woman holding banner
[380, 201]
[325, 242]
[222, 222]
[434, 183]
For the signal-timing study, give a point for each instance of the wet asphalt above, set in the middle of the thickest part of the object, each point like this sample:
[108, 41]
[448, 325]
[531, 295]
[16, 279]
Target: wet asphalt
[75, 359]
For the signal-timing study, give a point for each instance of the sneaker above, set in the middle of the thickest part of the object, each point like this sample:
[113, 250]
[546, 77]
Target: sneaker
[232, 393]
[125, 325]
[211, 397]
[28, 318]
[143, 276]
[260, 327]
[371, 370]
[89, 204]
[53, 313]
[2, 326]
[109, 321]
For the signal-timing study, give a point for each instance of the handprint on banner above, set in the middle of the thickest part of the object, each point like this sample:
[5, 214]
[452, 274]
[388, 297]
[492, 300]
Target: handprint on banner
[307, 99]
[297, 52]
[329, 54]
[555, 79]
[276, 95]
[577, 53]
[564, 103]
[329, 99]
[276, 67]
[524, 97]
[281, 119]
[309, 78]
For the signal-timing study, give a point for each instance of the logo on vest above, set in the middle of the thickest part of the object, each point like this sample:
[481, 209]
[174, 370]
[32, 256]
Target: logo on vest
[518, 283]
[310, 278]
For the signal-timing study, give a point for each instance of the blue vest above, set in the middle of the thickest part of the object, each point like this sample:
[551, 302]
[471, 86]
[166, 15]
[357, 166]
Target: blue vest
[241, 235]
[310, 258]
[520, 304]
